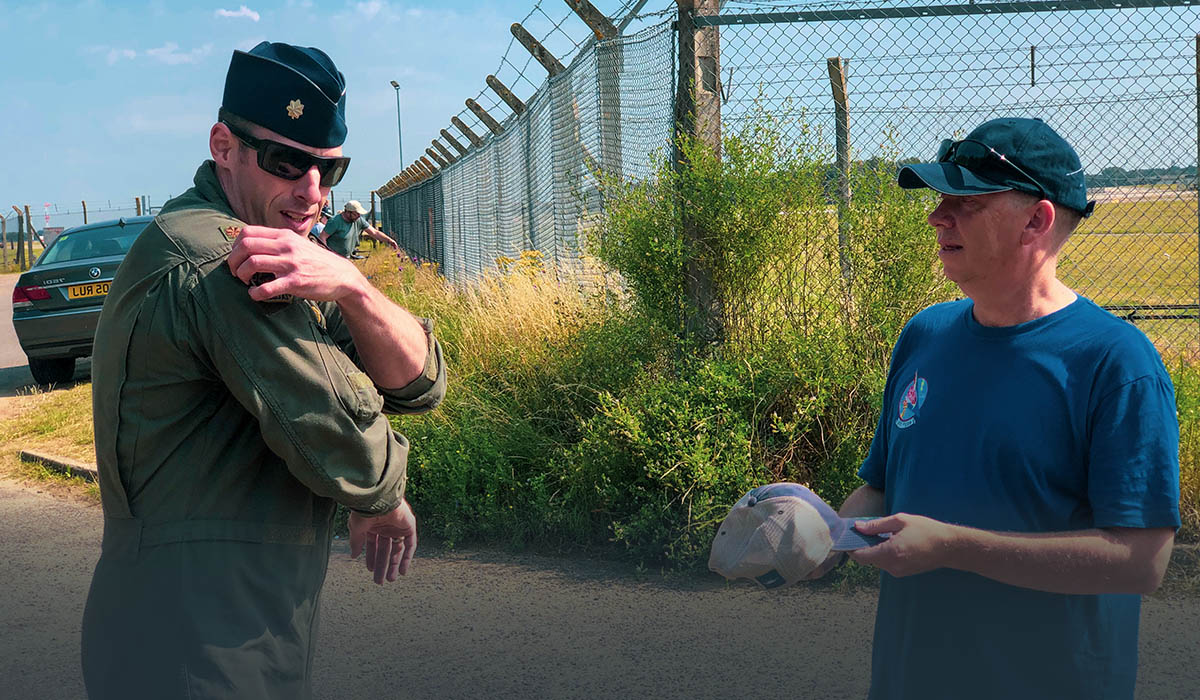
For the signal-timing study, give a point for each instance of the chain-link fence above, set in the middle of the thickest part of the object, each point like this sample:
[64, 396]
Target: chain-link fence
[416, 220]
[529, 186]
[1117, 79]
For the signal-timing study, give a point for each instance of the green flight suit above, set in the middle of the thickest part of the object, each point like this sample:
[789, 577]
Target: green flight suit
[226, 429]
[343, 236]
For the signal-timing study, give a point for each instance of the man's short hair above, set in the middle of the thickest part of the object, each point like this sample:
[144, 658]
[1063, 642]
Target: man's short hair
[239, 123]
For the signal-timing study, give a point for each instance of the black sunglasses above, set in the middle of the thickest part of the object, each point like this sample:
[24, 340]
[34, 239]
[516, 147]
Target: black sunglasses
[973, 154]
[282, 160]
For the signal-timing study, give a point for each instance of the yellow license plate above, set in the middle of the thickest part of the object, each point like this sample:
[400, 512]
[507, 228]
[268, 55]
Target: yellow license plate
[83, 291]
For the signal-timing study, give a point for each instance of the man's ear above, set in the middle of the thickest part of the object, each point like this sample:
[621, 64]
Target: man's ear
[1039, 222]
[222, 144]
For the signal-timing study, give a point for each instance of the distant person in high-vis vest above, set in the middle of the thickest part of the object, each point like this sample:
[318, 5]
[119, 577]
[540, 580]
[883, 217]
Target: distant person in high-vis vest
[343, 232]
[240, 380]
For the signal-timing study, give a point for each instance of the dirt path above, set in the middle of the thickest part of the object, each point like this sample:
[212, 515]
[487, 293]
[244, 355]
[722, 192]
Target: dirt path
[486, 624]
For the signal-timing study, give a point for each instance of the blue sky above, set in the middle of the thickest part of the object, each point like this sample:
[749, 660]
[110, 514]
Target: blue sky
[107, 100]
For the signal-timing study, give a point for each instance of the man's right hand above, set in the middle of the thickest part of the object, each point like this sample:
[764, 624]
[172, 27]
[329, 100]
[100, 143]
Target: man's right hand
[299, 266]
[390, 540]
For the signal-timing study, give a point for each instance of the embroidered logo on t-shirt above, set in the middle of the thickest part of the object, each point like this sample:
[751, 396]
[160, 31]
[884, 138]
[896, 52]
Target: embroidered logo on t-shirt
[911, 401]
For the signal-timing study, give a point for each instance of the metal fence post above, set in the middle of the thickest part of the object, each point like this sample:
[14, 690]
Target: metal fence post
[841, 104]
[20, 256]
[698, 116]
[530, 227]
[29, 230]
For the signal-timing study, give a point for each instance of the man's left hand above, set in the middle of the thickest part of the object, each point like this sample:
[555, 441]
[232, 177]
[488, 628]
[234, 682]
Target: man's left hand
[917, 544]
[300, 267]
[389, 539]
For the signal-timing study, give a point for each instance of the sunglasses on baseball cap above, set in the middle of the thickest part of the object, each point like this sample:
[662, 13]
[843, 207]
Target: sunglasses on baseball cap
[290, 163]
[976, 155]
[1005, 154]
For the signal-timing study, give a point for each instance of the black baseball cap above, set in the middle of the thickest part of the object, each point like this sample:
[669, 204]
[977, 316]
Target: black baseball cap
[1025, 155]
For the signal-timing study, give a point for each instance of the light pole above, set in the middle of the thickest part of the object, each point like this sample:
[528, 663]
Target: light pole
[399, 135]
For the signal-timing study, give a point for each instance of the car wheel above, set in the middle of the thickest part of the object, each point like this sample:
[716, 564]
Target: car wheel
[57, 371]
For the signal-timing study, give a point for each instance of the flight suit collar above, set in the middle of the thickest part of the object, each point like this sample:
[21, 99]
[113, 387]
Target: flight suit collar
[208, 187]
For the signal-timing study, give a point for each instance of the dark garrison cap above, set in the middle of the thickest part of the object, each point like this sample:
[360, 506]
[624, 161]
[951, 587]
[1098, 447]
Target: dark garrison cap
[295, 91]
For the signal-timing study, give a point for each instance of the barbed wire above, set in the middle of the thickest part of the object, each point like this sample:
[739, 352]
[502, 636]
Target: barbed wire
[555, 39]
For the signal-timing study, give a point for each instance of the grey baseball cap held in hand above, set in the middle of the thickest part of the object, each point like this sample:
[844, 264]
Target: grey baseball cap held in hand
[1025, 155]
[778, 534]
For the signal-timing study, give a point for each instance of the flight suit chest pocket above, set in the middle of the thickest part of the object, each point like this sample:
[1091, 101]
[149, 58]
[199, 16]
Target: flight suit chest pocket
[353, 388]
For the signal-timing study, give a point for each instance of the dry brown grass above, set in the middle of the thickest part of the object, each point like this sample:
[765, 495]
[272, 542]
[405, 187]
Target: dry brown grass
[504, 322]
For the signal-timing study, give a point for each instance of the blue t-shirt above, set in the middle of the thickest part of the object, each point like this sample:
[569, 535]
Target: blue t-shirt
[1066, 422]
[342, 236]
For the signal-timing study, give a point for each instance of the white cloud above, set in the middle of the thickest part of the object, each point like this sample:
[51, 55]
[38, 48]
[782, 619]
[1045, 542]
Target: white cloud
[115, 55]
[243, 11]
[371, 8]
[169, 54]
[111, 54]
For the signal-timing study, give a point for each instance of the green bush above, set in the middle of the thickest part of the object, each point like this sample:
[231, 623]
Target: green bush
[657, 467]
[488, 461]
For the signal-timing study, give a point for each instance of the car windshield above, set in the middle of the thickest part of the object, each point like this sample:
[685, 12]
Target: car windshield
[91, 243]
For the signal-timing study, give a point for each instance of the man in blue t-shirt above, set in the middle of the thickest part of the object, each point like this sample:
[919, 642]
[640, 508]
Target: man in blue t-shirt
[1026, 461]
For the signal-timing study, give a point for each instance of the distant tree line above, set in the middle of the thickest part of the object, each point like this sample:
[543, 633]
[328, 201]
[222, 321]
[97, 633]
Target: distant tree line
[1118, 177]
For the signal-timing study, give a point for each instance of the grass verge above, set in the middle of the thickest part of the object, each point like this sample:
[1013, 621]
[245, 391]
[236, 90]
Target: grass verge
[58, 422]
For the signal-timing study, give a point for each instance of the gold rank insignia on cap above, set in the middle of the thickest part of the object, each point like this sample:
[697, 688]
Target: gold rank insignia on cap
[231, 232]
[295, 108]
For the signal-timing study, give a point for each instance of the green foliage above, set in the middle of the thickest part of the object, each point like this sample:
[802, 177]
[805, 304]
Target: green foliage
[641, 236]
[1186, 378]
[891, 248]
[489, 461]
[584, 420]
[658, 467]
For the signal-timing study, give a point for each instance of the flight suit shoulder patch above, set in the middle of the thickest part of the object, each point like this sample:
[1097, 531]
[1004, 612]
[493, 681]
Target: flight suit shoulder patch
[201, 235]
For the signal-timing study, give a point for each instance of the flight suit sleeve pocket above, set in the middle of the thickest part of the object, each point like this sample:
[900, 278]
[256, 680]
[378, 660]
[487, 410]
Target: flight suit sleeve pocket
[353, 388]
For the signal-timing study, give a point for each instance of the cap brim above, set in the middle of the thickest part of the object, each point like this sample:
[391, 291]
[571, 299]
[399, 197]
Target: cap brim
[947, 178]
[851, 539]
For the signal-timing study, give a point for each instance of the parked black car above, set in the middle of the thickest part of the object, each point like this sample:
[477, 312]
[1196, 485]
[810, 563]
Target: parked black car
[57, 301]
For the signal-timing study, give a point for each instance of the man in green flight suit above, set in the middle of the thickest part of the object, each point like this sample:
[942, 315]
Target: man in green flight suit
[240, 377]
[343, 231]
